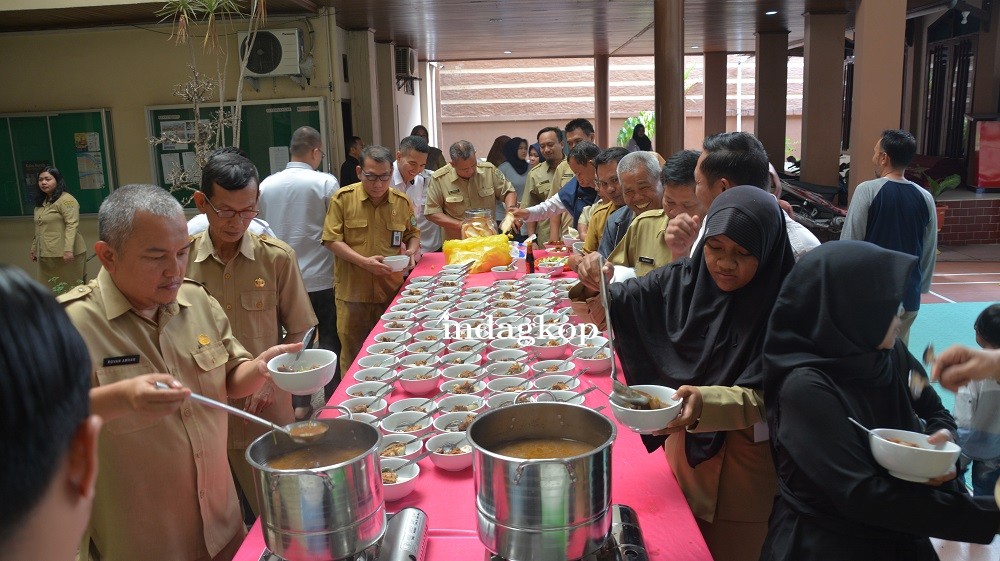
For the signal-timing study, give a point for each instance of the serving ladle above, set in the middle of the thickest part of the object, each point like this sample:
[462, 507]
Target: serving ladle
[621, 394]
[302, 432]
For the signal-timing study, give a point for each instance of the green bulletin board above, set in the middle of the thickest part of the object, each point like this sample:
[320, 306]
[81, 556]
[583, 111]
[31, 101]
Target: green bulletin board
[267, 128]
[77, 142]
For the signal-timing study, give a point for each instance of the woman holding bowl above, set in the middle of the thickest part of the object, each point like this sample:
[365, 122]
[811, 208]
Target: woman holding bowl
[57, 247]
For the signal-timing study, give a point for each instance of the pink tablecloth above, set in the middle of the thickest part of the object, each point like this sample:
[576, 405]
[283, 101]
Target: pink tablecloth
[640, 480]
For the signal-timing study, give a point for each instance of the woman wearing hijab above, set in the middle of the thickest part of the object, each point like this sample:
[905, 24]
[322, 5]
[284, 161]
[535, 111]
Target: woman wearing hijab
[535, 155]
[831, 353]
[698, 325]
[639, 140]
[514, 168]
[496, 154]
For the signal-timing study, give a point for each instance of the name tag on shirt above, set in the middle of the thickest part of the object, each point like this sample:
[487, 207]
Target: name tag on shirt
[646, 260]
[397, 238]
[120, 360]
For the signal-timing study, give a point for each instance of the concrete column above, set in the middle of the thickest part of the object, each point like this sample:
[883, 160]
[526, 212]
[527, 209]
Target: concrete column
[716, 72]
[602, 100]
[361, 60]
[335, 151]
[879, 27]
[914, 91]
[986, 96]
[385, 57]
[668, 56]
[771, 93]
[823, 93]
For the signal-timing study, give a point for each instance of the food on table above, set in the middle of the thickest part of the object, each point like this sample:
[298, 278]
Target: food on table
[553, 261]
[386, 351]
[362, 408]
[427, 376]
[409, 428]
[523, 398]
[517, 388]
[599, 356]
[654, 402]
[544, 448]
[464, 387]
[467, 373]
[421, 349]
[901, 441]
[460, 408]
[417, 291]
[552, 368]
[559, 386]
[515, 368]
[449, 283]
[420, 363]
[419, 408]
[430, 338]
[372, 378]
[389, 477]
[313, 457]
[454, 450]
[394, 449]
[552, 343]
[395, 325]
[289, 368]
[459, 426]
[465, 348]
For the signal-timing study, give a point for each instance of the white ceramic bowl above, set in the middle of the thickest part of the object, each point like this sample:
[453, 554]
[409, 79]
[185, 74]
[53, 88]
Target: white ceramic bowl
[392, 423]
[393, 337]
[568, 241]
[551, 269]
[507, 368]
[386, 348]
[397, 325]
[583, 357]
[371, 405]
[406, 479]
[369, 389]
[466, 345]
[450, 280]
[546, 382]
[461, 371]
[424, 347]
[648, 421]
[450, 462]
[451, 422]
[542, 367]
[414, 382]
[593, 342]
[420, 280]
[418, 359]
[508, 384]
[466, 310]
[507, 355]
[501, 273]
[410, 308]
[437, 306]
[431, 335]
[410, 300]
[563, 396]
[397, 262]
[535, 277]
[538, 303]
[376, 374]
[452, 359]
[455, 268]
[504, 399]
[577, 248]
[455, 403]
[394, 316]
[920, 462]
[384, 361]
[451, 386]
[417, 402]
[550, 348]
[412, 446]
[322, 365]
[512, 343]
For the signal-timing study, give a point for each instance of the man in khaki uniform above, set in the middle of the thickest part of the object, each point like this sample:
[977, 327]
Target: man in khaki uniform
[365, 223]
[164, 491]
[257, 281]
[545, 179]
[610, 191]
[463, 185]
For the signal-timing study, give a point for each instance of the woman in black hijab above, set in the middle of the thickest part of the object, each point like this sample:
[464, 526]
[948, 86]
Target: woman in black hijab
[639, 140]
[698, 325]
[831, 352]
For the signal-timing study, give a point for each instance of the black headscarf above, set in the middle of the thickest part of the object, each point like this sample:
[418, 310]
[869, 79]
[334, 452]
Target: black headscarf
[510, 153]
[675, 327]
[642, 141]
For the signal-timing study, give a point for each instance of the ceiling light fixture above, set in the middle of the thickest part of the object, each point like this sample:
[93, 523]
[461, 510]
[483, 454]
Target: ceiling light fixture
[508, 53]
[770, 12]
[693, 47]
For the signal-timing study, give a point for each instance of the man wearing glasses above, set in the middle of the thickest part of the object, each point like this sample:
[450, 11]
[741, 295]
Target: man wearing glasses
[257, 282]
[365, 223]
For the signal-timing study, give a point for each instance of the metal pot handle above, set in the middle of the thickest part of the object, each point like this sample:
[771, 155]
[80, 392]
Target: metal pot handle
[528, 463]
[315, 414]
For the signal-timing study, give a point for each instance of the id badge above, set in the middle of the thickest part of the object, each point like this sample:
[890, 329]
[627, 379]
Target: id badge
[397, 238]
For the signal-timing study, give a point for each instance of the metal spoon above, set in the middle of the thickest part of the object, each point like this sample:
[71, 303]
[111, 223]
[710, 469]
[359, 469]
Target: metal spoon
[866, 429]
[416, 459]
[621, 394]
[296, 431]
[306, 341]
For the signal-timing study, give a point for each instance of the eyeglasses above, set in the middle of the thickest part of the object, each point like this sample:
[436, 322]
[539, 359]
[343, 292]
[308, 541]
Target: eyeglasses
[372, 177]
[602, 184]
[244, 214]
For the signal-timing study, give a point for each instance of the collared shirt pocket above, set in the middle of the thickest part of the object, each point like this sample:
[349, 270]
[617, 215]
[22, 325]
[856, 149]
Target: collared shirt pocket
[356, 232]
[261, 319]
[131, 422]
[454, 204]
[211, 360]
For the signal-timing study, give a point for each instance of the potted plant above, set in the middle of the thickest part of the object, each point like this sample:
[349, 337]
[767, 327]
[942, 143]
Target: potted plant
[936, 187]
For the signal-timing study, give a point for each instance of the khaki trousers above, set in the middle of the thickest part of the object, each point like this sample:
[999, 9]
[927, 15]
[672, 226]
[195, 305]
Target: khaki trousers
[355, 320]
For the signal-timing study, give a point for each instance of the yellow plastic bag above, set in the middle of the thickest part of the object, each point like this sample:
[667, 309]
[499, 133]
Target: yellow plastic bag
[486, 251]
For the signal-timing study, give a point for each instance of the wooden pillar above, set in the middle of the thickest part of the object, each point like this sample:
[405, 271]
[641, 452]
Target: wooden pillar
[879, 27]
[771, 93]
[823, 89]
[716, 72]
[385, 57]
[361, 60]
[602, 100]
[668, 55]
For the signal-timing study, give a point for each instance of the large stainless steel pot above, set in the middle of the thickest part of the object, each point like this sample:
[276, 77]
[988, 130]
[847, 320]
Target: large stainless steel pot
[325, 513]
[535, 510]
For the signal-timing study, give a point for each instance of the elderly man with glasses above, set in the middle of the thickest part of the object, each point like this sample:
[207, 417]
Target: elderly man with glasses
[365, 223]
[257, 281]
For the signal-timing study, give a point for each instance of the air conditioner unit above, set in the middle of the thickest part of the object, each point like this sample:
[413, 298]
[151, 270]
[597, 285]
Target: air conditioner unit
[273, 53]
[406, 61]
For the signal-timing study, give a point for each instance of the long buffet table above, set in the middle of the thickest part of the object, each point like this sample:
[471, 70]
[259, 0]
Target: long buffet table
[640, 480]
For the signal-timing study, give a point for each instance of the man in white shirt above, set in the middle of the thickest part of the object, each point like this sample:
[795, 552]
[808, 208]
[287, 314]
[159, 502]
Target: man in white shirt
[294, 203]
[408, 177]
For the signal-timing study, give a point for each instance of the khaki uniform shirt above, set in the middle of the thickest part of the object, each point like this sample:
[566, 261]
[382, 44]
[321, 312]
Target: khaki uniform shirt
[540, 185]
[56, 228]
[164, 490]
[561, 176]
[452, 195]
[643, 247]
[261, 291]
[369, 230]
[598, 218]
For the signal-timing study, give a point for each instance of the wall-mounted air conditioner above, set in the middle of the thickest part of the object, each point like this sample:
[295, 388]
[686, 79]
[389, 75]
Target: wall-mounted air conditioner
[406, 61]
[274, 52]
